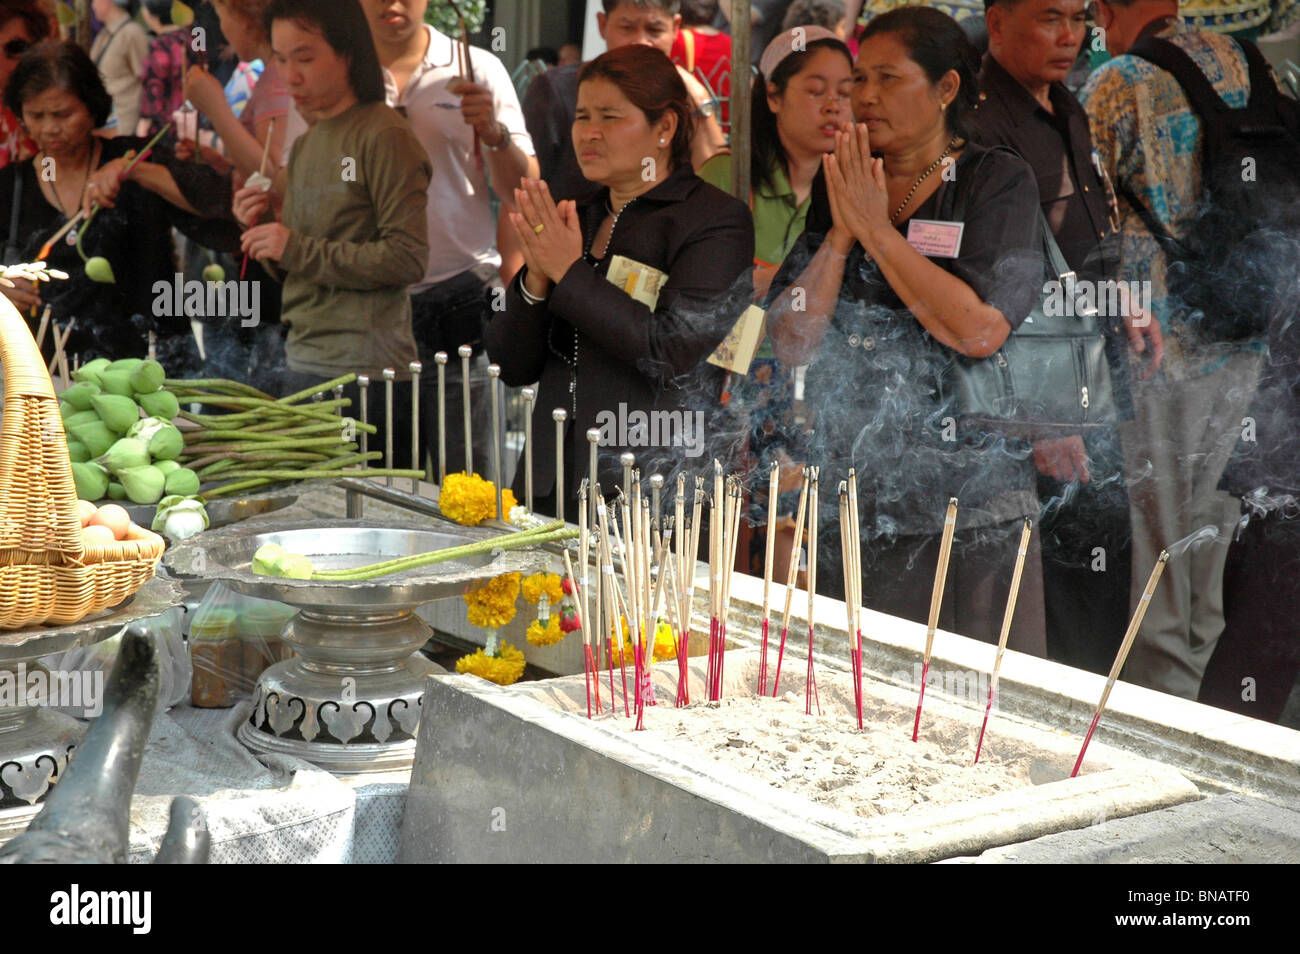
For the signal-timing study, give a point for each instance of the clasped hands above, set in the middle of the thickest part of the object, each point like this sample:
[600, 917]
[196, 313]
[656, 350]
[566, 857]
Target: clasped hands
[549, 235]
[857, 189]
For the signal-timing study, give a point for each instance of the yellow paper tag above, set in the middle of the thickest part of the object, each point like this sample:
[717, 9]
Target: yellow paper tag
[641, 282]
[736, 353]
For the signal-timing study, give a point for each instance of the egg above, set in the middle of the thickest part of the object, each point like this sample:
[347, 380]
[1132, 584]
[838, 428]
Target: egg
[85, 511]
[114, 517]
[96, 535]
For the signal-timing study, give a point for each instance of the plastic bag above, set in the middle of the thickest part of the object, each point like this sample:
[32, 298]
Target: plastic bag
[77, 678]
[233, 638]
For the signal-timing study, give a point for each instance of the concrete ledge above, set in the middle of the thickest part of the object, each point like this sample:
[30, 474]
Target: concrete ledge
[1225, 829]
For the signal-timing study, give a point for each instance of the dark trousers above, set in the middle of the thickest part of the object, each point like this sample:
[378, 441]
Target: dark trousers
[898, 579]
[1087, 543]
[1257, 659]
[444, 317]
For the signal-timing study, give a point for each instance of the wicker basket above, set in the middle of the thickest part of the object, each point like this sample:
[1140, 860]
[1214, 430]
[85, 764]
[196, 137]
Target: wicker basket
[47, 575]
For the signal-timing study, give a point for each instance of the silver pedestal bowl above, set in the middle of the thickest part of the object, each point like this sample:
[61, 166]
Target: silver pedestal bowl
[350, 701]
[36, 742]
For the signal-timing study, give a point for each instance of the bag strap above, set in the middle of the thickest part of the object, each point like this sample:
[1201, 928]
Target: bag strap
[1175, 61]
[960, 199]
[688, 40]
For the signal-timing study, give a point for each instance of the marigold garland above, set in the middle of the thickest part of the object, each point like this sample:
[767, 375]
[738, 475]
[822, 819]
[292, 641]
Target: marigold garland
[504, 668]
[547, 635]
[535, 585]
[469, 499]
[493, 604]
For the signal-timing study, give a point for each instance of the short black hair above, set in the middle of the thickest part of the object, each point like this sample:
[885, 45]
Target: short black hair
[346, 29]
[162, 9]
[59, 64]
[36, 21]
[699, 12]
[546, 54]
[670, 7]
[822, 13]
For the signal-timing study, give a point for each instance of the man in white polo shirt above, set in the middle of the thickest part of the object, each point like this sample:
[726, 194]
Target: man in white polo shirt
[475, 135]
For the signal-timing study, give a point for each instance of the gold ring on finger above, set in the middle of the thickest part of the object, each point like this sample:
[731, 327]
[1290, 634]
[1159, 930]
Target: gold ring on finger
[539, 228]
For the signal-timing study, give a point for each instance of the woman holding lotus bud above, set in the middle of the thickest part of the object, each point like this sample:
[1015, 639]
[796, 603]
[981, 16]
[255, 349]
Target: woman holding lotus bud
[57, 93]
[623, 298]
[880, 320]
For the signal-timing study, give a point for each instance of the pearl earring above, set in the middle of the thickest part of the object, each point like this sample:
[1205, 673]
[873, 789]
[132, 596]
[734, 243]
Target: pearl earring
[663, 142]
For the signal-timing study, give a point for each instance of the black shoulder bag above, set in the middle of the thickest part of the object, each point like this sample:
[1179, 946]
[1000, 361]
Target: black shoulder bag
[1050, 378]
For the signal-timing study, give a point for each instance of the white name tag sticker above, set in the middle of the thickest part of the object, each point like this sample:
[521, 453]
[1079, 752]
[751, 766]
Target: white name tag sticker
[935, 239]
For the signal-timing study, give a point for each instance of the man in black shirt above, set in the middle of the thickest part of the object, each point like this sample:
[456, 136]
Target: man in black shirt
[1085, 526]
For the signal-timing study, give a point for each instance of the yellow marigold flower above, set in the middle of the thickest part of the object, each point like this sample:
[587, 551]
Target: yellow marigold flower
[493, 604]
[547, 635]
[503, 669]
[664, 648]
[469, 499]
[538, 583]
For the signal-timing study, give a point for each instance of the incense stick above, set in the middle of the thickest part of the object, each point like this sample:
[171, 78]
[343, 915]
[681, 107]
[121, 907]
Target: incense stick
[1006, 630]
[936, 601]
[855, 575]
[792, 576]
[769, 553]
[810, 689]
[582, 623]
[1134, 624]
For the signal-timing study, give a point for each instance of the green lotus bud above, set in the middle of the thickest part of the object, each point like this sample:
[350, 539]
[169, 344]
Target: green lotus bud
[125, 364]
[147, 427]
[94, 436]
[79, 418]
[116, 491]
[166, 443]
[214, 273]
[183, 481]
[91, 480]
[116, 382]
[144, 485]
[65, 14]
[294, 566]
[267, 558]
[98, 270]
[148, 377]
[77, 452]
[118, 412]
[125, 454]
[90, 370]
[161, 404]
[180, 517]
[181, 14]
[166, 467]
[66, 410]
[79, 395]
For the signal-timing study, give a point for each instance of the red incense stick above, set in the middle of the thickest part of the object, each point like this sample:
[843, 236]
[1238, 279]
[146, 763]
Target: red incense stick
[792, 576]
[1006, 630]
[810, 690]
[1134, 624]
[936, 601]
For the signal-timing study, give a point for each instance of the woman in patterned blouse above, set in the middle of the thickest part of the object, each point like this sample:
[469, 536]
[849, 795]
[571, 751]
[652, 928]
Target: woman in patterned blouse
[163, 78]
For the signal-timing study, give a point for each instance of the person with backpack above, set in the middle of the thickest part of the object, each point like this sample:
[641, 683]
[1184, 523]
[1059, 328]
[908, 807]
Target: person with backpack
[1194, 193]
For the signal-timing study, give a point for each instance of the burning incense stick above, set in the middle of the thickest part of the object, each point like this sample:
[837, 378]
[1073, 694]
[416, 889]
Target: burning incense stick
[810, 689]
[682, 609]
[846, 542]
[936, 601]
[792, 576]
[855, 571]
[1006, 629]
[734, 502]
[579, 596]
[590, 626]
[1134, 625]
[773, 481]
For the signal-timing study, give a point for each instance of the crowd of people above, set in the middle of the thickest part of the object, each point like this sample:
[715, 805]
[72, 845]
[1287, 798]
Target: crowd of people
[389, 184]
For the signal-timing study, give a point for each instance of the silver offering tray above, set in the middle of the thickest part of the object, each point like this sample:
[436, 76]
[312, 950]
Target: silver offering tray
[350, 702]
[36, 742]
